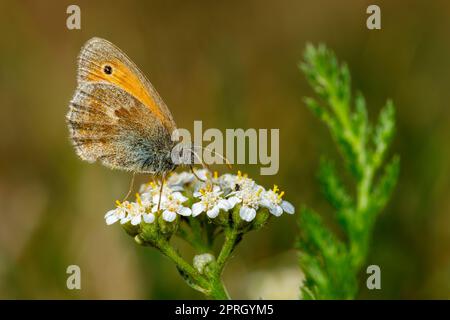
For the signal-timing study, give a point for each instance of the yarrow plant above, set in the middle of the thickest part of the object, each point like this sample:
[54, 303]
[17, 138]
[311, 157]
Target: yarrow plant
[198, 208]
[332, 264]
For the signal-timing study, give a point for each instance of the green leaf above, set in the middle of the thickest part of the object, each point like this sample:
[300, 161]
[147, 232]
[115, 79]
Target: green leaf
[324, 260]
[360, 121]
[332, 187]
[384, 133]
[383, 189]
[336, 193]
[318, 110]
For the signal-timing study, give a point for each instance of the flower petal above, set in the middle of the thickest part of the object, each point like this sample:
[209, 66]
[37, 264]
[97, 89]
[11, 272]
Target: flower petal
[287, 207]
[247, 214]
[136, 220]
[197, 208]
[265, 203]
[214, 212]
[276, 210]
[224, 205]
[177, 188]
[169, 215]
[149, 217]
[156, 198]
[110, 213]
[111, 219]
[184, 211]
[178, 196]
[202, 174]
[197, 194]
[125, 220]
[233, 201]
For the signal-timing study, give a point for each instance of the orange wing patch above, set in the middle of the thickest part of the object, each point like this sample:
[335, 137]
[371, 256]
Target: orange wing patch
[115, 72]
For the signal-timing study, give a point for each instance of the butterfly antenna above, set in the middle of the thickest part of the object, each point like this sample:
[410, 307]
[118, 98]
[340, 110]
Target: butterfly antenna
[163, 178]
[227, 162]
[131, 187]
[195, 175]
[204, 165]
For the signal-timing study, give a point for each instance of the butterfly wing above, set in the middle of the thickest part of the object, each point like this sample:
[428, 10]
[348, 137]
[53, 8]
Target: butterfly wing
[108, 124]
[99, 55]
[116, 116]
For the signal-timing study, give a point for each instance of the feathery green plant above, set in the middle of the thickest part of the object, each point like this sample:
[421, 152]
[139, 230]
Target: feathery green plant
[331, 265]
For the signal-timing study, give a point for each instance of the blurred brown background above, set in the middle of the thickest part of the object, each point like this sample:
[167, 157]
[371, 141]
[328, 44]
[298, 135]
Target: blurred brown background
[231, 64]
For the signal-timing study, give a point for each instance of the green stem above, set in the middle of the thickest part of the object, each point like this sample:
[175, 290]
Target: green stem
[363, 224]
[218, 290]
[192, 276]
[231, 236]
[211, 286]
[195, 226]
[193, 240]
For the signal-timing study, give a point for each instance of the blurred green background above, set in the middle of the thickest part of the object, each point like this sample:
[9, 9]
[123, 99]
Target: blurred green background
[230, 64]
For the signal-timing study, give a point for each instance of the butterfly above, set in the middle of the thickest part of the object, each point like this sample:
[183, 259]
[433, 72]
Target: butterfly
[116, 116]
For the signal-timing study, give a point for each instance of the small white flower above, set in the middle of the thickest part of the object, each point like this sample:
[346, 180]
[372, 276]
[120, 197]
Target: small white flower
[248, 194]
[117, 214]
[133, 212]
[237, 182]
[172, 204]
[177, 181]
[273, 201]
[227, 182]
[143, 208]
[152, 188]
[211, 202]
[203, 174]
[151, 192]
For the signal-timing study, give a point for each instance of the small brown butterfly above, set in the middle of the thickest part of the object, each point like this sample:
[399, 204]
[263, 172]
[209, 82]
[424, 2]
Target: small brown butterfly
[116, 116]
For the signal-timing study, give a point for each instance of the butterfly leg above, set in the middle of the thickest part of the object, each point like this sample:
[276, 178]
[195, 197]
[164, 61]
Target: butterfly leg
[163, 178]
[131, 187]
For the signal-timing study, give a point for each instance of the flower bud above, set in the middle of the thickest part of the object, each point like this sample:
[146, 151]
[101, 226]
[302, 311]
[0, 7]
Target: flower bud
[223, 219]
[166, 228]
[202, 261]
[237, 221]
[139, 240]
[262, 216]
[149, 233]
[130, 229]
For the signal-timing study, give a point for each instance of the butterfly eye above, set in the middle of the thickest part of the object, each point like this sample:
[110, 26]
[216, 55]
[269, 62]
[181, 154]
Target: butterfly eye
[107, 69]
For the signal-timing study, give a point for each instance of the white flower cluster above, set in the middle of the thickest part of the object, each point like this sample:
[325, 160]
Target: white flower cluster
[211, 196]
